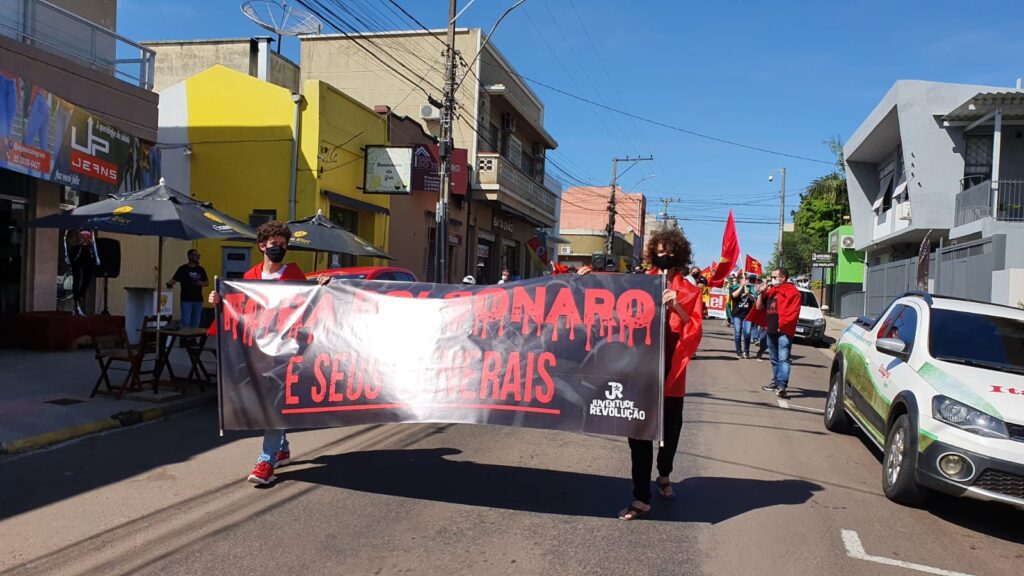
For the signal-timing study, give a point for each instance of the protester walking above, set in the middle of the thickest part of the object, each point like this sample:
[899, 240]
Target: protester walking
[777, 310]
[668, 252]
[193, 279]
[758, 335]
[272, 240]
[741, 295]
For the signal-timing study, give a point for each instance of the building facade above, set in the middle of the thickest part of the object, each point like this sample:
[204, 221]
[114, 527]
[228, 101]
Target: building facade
[78, 121]
[500, 123]
[584, 223]
[942, 162]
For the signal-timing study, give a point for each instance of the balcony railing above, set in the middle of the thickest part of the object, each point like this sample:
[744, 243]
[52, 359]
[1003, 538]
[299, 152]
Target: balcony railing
[976, 202]
[70, 36]
[525, 193]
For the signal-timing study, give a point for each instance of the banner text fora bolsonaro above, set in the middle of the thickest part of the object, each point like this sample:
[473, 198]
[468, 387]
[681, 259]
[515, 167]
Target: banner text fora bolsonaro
[580, 354]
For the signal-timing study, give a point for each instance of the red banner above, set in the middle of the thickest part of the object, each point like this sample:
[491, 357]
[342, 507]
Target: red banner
[754, 266]
[730, 252]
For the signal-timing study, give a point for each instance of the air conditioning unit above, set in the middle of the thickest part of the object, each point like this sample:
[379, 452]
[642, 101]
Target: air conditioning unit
[905, 211]
[846, 242]
[508, 122]
[565, 250]
[428, 112]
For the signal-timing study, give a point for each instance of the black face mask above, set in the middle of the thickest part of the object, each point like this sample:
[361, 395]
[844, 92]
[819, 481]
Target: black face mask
[276, 253]
[663, 261]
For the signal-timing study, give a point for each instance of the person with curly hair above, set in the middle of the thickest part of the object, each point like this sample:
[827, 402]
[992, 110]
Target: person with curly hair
[272, 240]
[669, 253]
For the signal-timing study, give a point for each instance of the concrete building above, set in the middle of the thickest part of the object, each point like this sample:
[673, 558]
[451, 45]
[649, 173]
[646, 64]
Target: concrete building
[584, 223]
[946, 162]
[501, 124]
[181, 59]
[79, 122]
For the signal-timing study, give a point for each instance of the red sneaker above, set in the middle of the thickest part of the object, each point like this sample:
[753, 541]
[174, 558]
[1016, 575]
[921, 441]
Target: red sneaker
[282, 459]
[262, 474]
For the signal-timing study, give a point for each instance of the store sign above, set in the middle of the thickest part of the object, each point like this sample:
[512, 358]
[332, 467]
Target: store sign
[426, 166]
[50, 138]
[823, 260]
[502, 224]
[388, 170]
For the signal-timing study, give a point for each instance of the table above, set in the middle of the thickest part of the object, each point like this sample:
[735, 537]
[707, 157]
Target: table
[194, 340]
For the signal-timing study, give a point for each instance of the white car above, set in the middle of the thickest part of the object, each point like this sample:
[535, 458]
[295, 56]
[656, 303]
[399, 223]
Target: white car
[938, 384]
[811, 323]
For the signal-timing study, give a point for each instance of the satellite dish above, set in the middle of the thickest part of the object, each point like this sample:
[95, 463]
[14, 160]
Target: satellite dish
[278, 17]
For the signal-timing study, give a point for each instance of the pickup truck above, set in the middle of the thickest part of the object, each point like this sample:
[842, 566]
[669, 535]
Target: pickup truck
[938, 385]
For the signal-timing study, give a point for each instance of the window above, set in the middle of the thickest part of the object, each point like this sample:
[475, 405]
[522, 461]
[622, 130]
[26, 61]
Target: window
[903, 327]
[404, 277]
[384, 276]
[888, 321]
[978, 340]
[808, 299]
[977, 160]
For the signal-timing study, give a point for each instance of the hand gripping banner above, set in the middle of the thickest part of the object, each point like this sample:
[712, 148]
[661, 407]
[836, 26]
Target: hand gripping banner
[580, 354]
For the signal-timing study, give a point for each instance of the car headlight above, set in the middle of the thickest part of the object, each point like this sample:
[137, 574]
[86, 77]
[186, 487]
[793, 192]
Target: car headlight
[819, 322]
[966, 418]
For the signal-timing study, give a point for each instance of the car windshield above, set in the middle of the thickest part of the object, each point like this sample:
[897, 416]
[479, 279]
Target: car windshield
[977, 340]
[348, 276]
[808, 299]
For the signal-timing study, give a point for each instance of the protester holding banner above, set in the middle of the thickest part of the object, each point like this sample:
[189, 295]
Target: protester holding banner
[669, 253]
[272, 239]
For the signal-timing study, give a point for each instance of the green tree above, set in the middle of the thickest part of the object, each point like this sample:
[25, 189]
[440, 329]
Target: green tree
[824, 206]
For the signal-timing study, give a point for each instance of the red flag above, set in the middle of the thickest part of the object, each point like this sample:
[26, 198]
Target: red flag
[753, 266]
[730, 251]
[538, 249]
[557, 268]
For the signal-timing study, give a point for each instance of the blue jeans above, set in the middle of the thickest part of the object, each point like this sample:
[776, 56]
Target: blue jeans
[741, 335]
[273, 442]
[191, 314]
[759, 336]
[779, 346]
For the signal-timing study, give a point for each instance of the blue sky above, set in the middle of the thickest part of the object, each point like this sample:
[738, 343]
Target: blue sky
[783, 75]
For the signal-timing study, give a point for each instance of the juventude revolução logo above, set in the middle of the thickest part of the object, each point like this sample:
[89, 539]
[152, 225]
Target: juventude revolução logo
[614, 406]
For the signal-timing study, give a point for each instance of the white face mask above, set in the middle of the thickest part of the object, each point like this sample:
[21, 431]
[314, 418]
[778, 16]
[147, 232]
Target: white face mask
[776, 281]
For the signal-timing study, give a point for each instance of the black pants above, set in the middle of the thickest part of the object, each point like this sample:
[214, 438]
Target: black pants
[642, 451]
[82, 270]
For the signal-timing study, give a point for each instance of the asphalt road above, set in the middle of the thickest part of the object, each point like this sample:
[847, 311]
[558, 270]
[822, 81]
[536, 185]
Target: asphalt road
[762, 490]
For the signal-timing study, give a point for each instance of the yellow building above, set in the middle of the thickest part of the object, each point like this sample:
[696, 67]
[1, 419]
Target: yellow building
[229, 139]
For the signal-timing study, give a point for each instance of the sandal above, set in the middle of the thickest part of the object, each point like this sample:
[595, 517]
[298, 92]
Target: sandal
[665, 491]
[633, 513]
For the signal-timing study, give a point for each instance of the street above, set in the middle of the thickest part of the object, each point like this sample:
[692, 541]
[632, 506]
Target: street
[762, 489]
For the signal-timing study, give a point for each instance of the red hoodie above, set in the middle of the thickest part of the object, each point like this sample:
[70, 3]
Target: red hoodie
[291, 271]
[681, 340]
[782, 302]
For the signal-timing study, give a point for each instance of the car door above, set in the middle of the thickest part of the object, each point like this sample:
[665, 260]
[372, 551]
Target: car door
[863, 380]
[892, 373]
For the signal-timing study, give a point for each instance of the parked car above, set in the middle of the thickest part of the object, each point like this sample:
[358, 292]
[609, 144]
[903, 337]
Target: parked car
[392, 273]
[810, 326]
[938, 385]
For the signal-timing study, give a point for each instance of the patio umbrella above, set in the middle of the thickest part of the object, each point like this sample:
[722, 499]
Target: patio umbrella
[155, 211]
[319, 234]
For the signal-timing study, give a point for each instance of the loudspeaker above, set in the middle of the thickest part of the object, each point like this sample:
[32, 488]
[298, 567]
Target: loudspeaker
[110, 258]
[598, 261]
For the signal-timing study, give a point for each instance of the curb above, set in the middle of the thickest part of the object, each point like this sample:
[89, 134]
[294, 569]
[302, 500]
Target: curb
[119, 420]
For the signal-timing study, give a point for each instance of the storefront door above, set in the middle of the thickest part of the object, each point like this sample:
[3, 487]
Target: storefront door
[13, 219]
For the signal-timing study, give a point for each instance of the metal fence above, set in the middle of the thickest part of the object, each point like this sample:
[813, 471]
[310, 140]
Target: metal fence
[851, 305]
[975, 203]
[68, 35]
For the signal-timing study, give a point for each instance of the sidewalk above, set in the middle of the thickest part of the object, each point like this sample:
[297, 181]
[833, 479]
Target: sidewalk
[44, 399]
[834, 328]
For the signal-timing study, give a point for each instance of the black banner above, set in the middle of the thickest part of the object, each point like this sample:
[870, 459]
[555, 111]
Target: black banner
[581, 354]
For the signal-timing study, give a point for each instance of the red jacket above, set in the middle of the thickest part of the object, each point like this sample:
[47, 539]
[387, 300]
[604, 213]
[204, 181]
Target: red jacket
[683, 338]
[291, 271]
[787, 306]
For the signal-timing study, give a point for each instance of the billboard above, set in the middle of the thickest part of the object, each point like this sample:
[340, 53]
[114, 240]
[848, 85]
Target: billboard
[388, 170]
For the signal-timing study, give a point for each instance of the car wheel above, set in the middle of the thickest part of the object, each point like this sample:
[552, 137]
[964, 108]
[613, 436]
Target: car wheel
[899, 464]
[836, 418]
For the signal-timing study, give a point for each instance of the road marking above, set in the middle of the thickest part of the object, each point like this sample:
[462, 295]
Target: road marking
[785, 404]
[855, 550]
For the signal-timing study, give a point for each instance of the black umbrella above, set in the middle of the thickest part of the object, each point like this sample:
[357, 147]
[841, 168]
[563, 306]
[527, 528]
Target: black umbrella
[156, 211]
[319, 234]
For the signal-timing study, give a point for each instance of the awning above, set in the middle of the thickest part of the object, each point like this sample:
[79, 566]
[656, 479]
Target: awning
[339, 200]
[882, 187]
[984, 103]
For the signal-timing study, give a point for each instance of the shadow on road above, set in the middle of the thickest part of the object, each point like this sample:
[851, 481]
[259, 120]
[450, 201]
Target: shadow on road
[428, 474]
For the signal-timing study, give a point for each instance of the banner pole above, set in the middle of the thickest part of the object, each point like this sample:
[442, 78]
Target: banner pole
[661, 371]
[220, 357]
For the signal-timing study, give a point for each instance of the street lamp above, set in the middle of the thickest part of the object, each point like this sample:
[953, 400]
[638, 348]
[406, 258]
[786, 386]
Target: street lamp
[782, 211]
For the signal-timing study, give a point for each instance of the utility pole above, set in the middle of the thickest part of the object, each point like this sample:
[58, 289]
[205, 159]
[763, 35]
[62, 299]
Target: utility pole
[664, 212]
[782, 214]
[446, 147]
[609, 239]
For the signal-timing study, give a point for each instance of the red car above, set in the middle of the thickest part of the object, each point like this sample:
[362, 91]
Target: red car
[367, 273]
